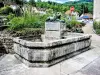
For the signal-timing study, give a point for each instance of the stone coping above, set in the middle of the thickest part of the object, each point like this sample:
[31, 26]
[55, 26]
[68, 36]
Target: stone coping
[51, 43]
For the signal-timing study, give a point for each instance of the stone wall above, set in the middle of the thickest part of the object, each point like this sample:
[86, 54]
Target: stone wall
[6, 43]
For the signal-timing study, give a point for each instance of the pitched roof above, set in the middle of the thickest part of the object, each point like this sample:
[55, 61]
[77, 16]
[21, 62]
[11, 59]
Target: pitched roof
[87, 16]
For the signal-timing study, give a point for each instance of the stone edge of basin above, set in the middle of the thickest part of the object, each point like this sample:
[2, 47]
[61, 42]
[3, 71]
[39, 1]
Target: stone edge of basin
[51, 43]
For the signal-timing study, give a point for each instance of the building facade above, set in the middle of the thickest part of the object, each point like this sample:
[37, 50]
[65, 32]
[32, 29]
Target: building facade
[96, 10]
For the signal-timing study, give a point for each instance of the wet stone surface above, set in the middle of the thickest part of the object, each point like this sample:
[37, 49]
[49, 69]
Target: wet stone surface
[92, 69]
[9, 65]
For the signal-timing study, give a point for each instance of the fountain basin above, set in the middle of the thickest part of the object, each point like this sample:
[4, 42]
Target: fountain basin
[47, 53]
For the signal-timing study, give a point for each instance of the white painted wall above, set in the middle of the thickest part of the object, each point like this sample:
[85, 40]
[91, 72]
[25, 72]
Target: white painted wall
[96, 10]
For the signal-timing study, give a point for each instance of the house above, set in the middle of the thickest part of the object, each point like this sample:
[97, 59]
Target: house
[70, 14]
[41, 10]
[34, 9]
[87, 17]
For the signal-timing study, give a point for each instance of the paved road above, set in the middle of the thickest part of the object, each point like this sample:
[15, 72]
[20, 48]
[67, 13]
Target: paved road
[93, 68]
[88, 28]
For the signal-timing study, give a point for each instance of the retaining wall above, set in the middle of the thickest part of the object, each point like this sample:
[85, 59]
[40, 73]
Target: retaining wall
[6, 44]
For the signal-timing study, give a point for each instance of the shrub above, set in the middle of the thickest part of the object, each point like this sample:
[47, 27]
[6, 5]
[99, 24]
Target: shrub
[6, 10]
[96, 25]
[70, 23]
[97, 31]
[16, 23]
[10, 16]
[82, 23]
[74, 23]
[32, 21]
[28, 21]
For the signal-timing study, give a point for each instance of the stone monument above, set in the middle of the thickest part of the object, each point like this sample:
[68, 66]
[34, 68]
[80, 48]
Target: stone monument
[54, 28]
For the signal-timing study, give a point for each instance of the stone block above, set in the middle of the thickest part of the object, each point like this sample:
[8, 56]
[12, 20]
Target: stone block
[54, 30]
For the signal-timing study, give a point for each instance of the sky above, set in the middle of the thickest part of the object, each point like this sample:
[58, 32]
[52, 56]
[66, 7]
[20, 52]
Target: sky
[59, 1]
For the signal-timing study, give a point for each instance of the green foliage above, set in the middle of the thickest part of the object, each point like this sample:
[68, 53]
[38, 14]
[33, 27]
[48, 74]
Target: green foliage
[51, 5]
[86, 7]
[74, 26]
[38, 0]
[10, 16]
[82, 23]
[74, 23]
[19, 2]
[16, 23]
[6, 10]
[32, 2]
[49, 11]
[97, 31]
[81, 7]
[28, 21]
[96, 26]
[70, 23]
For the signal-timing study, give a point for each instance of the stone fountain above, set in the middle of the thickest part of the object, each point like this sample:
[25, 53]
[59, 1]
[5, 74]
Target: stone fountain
[56, 45]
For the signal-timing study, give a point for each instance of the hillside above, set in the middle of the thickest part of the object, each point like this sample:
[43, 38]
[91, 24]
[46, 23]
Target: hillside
[80, 1]
[86, 0]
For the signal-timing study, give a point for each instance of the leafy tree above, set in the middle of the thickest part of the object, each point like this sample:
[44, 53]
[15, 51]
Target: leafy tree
[38, 0]
[32, 2]
[80, 7]
[20, 2]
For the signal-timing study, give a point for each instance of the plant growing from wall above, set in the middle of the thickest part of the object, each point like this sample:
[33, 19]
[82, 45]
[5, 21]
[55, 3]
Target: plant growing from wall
[6, 10]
